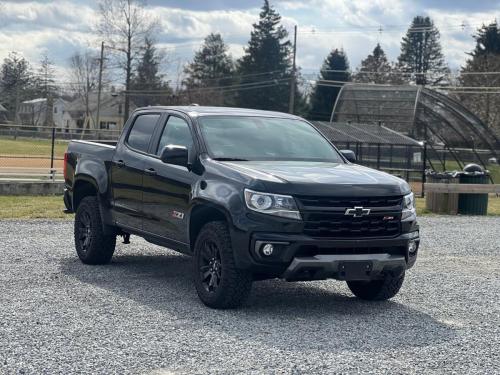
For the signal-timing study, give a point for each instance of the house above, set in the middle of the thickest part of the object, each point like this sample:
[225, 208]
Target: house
[3, 114]
[34, 112]
[110, 112]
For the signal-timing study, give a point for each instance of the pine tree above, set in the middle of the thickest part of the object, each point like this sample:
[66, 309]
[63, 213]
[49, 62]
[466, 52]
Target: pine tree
[266, 64]
[212, 66]
[45, 82]
[16, 82]
[375, 68]
[484, 58]
[334, 68]
[421, 52]
[147, 79]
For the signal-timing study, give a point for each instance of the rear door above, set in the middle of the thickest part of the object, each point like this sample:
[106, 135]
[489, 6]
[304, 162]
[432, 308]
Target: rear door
[167, 187]
[127, 170]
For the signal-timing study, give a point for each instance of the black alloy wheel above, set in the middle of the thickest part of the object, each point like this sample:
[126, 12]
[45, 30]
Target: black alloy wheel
[210, 266]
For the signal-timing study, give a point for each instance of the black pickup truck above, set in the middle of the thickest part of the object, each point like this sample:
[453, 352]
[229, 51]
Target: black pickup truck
[251, 195]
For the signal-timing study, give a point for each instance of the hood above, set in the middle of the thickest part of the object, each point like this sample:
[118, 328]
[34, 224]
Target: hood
[320, 178]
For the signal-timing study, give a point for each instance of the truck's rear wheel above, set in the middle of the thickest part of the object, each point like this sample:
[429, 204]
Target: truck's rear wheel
[92, 245]
[377, 290]
[218, 282]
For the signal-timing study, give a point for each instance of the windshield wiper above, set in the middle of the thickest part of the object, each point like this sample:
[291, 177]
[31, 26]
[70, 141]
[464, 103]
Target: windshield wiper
[229, 159]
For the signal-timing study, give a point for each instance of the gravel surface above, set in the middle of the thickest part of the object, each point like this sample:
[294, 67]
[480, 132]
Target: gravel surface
[140, 314]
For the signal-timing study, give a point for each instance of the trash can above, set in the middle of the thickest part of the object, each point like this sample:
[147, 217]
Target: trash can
[473, 204]
[442, 203]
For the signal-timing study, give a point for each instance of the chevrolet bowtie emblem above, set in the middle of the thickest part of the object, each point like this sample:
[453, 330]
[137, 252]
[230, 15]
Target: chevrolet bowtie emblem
[357, 211]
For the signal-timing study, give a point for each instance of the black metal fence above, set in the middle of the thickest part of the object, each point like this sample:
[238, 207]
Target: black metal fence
[404, 161]
[38, 152]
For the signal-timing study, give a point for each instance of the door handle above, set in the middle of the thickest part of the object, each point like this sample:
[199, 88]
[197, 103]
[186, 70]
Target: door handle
[150, 172]
[120, 163]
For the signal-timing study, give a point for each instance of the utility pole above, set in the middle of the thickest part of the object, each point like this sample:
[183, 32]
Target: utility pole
[293, 79]
[99, 88]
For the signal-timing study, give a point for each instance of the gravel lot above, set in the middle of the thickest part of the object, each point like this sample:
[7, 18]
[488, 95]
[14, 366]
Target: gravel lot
[141, 314]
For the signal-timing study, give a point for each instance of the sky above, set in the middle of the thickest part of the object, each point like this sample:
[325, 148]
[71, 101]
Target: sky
[59, 28]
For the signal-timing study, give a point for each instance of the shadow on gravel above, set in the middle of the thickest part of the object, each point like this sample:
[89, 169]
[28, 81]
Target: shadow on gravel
[306, 316]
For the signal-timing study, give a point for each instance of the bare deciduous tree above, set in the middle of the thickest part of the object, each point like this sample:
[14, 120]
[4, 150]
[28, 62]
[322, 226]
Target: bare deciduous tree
[124, 25]
[84, 76]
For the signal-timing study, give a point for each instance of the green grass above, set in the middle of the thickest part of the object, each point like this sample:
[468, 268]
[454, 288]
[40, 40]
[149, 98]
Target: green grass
[28, 146]
[51, 207]
[29, 207]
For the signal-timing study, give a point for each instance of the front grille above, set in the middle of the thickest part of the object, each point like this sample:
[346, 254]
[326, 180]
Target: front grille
[325, 217]
[310, 202]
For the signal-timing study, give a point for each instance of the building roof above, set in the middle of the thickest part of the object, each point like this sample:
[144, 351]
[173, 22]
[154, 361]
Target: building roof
[363, 133]
[35, 101]
[408, 108]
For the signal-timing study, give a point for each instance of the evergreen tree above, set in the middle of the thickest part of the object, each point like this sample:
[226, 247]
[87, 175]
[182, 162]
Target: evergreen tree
[334, 68]
[484, 58]
[266, 65]
[375, 68]
[16, 82]
[45, 81]
[212, 66]
[421, 52]
[148, 80]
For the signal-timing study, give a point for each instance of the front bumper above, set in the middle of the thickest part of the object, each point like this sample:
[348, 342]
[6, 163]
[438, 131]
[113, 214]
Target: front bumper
[294, 252]
[345, 267]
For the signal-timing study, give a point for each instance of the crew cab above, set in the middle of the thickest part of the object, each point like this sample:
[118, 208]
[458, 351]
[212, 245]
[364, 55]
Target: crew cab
[250, 194]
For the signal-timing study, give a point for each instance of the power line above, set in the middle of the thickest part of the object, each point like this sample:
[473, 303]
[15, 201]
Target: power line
[211, 88]
[220, 89]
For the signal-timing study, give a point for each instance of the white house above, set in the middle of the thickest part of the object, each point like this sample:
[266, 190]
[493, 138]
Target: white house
[110, 113]
[34, 112]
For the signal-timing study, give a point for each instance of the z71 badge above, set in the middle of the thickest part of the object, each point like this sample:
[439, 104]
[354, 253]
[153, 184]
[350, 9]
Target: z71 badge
[177, 215]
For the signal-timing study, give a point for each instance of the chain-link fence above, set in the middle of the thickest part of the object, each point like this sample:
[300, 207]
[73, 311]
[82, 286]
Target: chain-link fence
[29, 152]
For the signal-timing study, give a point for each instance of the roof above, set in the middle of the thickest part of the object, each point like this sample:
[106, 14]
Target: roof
[363, 133]
[34, 101]
[42, 100]
[406, 108]
[78, 104]
[194, 110]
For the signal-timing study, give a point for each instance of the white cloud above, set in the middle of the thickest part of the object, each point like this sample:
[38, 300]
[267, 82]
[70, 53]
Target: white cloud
[61, 27]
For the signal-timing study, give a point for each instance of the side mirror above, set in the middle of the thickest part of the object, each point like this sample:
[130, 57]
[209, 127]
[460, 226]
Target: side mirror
[349, 155]
[173, 154]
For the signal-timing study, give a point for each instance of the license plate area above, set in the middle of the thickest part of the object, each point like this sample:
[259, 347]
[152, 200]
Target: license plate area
[355, 270]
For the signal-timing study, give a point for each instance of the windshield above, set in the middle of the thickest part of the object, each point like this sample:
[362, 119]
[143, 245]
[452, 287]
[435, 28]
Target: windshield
[264, 138]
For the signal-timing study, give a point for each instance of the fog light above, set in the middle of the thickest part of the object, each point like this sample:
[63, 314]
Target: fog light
[267, 249]
[412, 247]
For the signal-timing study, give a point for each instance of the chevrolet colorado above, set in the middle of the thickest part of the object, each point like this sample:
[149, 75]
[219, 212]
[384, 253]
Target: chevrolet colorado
[250, 194]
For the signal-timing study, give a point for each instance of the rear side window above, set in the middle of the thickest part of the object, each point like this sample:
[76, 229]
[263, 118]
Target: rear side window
[142, 131]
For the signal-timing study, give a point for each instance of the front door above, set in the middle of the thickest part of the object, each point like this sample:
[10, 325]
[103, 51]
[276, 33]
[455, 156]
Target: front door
[127, 171]
[167, 187]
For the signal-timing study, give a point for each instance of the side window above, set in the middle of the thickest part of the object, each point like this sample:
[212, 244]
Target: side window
[176, 132]
[142, 131]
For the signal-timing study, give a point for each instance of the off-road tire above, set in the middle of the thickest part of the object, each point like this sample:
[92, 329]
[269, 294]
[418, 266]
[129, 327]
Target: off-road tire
[234, 284]
[92, 245]
[377, 290]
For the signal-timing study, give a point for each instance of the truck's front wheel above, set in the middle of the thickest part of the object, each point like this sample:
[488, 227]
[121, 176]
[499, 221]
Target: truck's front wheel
[92, 245]
[377, 290]
[218, 282]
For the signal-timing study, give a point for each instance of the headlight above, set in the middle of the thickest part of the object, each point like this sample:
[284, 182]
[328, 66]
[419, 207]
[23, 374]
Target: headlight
[408, 206]
[272, 204]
